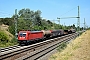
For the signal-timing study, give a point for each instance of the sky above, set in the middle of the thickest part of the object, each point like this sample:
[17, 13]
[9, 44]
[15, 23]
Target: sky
[51, 9]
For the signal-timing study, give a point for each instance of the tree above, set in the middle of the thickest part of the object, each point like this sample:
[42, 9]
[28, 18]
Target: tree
[37, 18]
[73, 26]
[7, 21]
[49, 22]
[31, 18]
[12, 29]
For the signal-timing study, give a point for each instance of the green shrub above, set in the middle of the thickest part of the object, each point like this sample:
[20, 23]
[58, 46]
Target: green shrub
[9, 43]
[14, 41]
[3, 37]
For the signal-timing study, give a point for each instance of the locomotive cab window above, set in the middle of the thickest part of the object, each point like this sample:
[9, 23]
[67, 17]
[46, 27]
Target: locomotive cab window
[22, 34]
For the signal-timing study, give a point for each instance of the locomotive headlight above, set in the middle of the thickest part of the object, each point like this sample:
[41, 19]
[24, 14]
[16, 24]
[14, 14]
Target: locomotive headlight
[23, 37]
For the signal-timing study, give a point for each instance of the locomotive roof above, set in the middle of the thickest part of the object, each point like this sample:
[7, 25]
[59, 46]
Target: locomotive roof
[31, 31]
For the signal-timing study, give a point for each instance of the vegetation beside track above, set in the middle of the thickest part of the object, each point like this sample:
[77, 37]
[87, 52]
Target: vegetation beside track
[62, 46]
[6, 38]
[78, 49]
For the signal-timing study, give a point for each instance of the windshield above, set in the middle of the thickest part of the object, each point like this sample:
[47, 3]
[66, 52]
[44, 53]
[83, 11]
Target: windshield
[22, 34]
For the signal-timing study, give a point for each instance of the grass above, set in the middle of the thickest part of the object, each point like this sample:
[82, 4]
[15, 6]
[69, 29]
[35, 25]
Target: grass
[61, 46]
[78, 49]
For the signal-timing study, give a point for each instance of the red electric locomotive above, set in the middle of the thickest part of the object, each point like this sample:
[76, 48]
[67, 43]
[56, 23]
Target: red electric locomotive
[27, 36]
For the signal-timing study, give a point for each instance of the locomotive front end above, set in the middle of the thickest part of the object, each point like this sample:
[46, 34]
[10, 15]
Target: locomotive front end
[22, 37]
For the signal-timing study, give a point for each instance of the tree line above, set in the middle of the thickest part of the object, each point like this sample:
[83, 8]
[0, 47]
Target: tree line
[31, 20]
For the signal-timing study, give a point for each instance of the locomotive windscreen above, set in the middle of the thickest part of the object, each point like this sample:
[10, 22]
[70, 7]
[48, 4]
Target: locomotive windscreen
[22, 34]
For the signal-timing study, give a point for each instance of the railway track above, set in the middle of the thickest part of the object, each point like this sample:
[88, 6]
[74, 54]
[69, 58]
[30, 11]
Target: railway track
[35, 51]
[9, 48]
[43, 51]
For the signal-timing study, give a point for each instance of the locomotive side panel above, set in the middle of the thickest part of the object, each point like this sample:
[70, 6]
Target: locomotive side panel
[35, 35]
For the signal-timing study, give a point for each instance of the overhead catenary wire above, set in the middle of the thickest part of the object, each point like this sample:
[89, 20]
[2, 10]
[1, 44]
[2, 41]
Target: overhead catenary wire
[78, 22]
[68, 11]
[3, 14]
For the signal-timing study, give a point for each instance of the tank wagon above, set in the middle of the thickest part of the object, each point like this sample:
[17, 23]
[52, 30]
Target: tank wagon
[47, 33]
[71, 31]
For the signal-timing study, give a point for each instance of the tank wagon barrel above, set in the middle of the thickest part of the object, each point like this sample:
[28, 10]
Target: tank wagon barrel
[47, 33]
